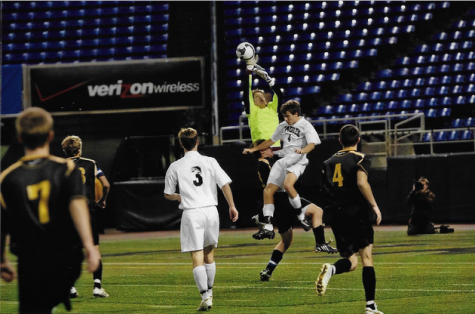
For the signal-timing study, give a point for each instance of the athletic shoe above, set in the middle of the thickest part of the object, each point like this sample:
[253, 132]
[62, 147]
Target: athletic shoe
[324, 278]
[325, 247]
[265, 275]
[255, 219]
[100, 293]
[306, 225]
[73, 293]
[263, 234]
[371, 311]
[206, 305]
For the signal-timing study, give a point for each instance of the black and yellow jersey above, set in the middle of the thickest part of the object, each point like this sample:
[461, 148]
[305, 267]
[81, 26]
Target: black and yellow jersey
[340, 177]
[89, 170]
[35, 195]
[264, 166]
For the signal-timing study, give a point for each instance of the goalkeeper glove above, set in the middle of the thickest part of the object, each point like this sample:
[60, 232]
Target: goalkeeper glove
[262, 73]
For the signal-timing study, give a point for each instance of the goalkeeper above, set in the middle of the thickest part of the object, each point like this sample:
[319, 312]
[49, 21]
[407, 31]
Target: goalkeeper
[263, 116]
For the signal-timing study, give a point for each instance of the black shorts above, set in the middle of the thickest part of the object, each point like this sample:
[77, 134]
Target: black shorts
[351, 227]
[44, 278]
[285, 215]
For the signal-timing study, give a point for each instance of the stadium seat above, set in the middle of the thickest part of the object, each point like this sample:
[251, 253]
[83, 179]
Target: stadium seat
[453, 136]
[440, 136]
[392, 105]
[406, 104]
[469, 122]
[420, 103]
[445, 112]
[467, 135]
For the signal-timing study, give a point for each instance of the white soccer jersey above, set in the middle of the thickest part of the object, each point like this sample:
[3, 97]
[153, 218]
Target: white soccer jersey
[198, 177]
[295, 136]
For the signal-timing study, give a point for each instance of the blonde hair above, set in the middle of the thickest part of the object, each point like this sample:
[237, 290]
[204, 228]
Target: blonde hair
[258, 91]
[188, 138]
[72, 145]
[33, 127]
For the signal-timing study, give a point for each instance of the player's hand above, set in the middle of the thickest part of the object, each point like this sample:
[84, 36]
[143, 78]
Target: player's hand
[8, 273]
[378, 214]
[101, 204]
[233, 214]
[299, 151]
[252, 61]
[247, 151]
[93, 258]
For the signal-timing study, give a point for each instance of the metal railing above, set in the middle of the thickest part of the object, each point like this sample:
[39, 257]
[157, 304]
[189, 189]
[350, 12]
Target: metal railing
[395, 128]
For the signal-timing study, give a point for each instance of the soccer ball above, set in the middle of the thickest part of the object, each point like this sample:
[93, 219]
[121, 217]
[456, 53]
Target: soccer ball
[245, 51]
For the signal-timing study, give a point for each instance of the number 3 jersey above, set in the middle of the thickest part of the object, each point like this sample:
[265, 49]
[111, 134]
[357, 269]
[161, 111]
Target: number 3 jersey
[340, 177]
[35, 197]
[197, 177]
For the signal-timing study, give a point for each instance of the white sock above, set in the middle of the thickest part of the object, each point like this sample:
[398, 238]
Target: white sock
[268, 210]
[295, 202]
[333, 270]
[211, 273]
[301, 216]
[201, 279]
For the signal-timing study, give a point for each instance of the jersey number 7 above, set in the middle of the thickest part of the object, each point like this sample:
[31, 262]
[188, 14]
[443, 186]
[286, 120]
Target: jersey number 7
[40, 191]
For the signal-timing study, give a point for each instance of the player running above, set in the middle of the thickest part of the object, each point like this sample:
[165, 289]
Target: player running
[345, 182]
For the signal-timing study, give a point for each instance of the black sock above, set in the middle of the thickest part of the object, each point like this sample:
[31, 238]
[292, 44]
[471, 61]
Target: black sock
[369, 282]
[342, 266]
[319, 234]
[98, 275]
[275, 259]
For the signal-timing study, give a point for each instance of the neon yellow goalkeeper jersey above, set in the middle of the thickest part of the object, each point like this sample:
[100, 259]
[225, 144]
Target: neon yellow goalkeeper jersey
[263, 122]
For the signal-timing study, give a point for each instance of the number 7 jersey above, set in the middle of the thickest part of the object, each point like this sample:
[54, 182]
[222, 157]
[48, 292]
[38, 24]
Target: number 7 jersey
[35, 196]
[197, 177]
[340, 177]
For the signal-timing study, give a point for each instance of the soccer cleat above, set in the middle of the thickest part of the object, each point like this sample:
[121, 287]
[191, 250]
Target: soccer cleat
[325, 247]
[255, 219]
[306, 225]
[371, 311]
[99, 293]
[263, 234]
[73, 293]
[265, 275]
[324, 278]
[206, 304]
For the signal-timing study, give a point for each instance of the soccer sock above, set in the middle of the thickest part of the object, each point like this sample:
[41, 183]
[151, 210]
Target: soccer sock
[342, 266]
[201, 278]
[275, 259]
[371, 305]
[211, 273]
[268, 211]
[369, 282]
[97, 275]
[319, 234]
[297, 204]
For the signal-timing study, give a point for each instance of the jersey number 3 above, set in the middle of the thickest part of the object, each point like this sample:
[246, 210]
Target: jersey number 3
[199, 180]
[337, 177]
[40, 191]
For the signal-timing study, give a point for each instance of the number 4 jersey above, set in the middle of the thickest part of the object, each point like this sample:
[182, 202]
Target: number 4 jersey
[35, 196]
[197, 177]
[340, 177]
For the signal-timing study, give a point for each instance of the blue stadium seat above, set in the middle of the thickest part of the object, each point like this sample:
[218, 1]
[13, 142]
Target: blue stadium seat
[379, 106]
[402, 93]
[446, 79]
[406, 104]
[431, 113]
[420, 81]
[467, 135]
[341, 109]
[429, 91]
[392, 105]
[375, 95]
[458, 123]
[366, 107]
[420, 103]
[416, 92]
[325, 110]
[354, 108]
[460, 100]
[396, 83]
[440, 136]
[460, 78]
[433, 102]
[453, 136]
[469, 122]
[426, 137]
[345, 97]
[445, 112]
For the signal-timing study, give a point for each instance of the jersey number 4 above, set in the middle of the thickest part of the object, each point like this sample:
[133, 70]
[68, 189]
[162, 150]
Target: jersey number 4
[337, 176]
[40, 191]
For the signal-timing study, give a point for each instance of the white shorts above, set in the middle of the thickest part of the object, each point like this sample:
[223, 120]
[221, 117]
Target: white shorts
[199, 228]
[294, 163]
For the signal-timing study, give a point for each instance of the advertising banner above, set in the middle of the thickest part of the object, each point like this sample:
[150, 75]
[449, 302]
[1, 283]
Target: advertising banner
[116, 86]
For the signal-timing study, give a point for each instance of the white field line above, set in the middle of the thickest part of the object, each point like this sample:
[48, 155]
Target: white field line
[284, 288]
[281, 263]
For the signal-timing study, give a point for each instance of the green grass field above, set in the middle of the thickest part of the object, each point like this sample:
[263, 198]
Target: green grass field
[146, 273]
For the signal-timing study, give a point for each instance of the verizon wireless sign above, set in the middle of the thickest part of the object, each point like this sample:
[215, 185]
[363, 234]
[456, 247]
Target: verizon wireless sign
[117, 86]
